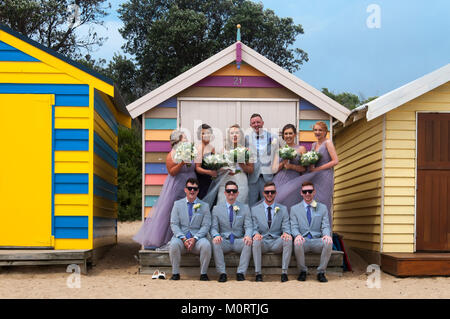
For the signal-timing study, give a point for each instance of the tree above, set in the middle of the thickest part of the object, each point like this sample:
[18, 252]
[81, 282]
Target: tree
[168, 37]
[129, 191]
[54, 23]
[349, 100]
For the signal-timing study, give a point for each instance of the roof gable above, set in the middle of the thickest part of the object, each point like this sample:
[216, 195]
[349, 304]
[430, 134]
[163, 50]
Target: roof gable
[406, 93]
[220, 61]
[21, 48]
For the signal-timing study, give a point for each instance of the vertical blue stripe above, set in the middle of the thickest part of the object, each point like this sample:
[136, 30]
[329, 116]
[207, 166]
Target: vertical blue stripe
[53, 171]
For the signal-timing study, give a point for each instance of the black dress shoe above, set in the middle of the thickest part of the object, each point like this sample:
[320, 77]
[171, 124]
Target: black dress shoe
[223, 278]
[175, 277]
[302, 276]
[259, 278]
[321, 277]
[284, 277]
[240, 277]
[204, 277]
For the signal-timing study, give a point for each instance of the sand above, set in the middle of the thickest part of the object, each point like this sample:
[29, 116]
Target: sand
[116, 276]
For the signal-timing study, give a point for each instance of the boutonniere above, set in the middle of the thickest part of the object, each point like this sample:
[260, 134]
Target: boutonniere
[236, 208]
[197, 206]
[314, 204]
[276, 209]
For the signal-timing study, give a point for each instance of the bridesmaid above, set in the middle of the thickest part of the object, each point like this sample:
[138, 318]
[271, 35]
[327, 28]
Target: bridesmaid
[156, 232]
[204, 176]
[321, 175]
[289, 169]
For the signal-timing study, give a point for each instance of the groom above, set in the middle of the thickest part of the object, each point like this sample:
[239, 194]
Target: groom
[260, 143]
[311, 229]
[190, 220]
[231, 230]
[271, 231]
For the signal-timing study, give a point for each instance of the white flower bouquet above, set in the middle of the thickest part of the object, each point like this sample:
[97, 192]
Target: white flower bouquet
[287, 152]
[239, 154]
[185, 152]
[215, 161]
[310, 158]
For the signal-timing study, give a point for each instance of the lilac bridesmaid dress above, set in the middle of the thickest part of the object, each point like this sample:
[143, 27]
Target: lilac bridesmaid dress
[155, 232]
[288, 193]
[285, 175]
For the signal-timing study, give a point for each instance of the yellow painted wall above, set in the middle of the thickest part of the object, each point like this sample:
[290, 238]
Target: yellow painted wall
[400, 168]
[357, 189]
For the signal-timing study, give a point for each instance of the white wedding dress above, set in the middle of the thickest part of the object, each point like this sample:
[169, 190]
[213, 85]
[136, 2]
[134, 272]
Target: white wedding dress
[240, 179]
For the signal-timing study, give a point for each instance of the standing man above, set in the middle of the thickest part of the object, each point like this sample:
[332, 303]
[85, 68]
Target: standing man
[260, 142]
[311, 229]
[190, 221]
[231, 230]
[271, 231]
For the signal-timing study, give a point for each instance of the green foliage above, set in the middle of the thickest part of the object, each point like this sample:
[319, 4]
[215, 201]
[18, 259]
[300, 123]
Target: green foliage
[129, 193]
[53, 23]
[168, 37]
[347, 99]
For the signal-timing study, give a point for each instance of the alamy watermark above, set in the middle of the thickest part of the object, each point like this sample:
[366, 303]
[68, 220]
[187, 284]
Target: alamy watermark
[74, 279]
[374, 19]
[374, 279]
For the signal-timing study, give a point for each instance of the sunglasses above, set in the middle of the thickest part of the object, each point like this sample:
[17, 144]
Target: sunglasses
[234, 191]
[307, 191]
[269, 192]
[191, 188]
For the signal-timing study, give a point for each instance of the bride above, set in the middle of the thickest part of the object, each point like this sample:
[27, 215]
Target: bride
[236, 172]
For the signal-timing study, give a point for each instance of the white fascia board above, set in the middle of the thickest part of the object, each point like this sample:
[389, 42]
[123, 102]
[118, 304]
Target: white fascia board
[407, 92]
[294, 84]
[182, 82]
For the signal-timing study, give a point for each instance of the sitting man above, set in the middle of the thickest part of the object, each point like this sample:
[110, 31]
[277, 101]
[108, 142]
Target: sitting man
[311, 229]
[190, 221]
[231, 230]
[271, 231]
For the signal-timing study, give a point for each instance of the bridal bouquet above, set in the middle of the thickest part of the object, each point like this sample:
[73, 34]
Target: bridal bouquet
[239, 154]
[310, 158]
[185, 152]
[287, 152]
[215, 161]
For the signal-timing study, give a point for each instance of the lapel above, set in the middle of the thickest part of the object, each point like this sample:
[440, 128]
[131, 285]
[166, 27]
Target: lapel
[303, 214]
[187, 211]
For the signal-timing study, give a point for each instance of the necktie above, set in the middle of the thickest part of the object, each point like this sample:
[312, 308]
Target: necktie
[231, 224]
[257, 147]
[308, 215]
[269, 216]
[190, 208]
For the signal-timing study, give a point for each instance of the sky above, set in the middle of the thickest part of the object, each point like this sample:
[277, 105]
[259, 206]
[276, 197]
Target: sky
[364, 47]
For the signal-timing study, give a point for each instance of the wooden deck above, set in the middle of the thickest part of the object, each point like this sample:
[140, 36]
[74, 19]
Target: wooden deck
[416, 264]
[150, 260]
[18, 257]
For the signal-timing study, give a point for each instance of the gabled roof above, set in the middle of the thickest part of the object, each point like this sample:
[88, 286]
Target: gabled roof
[47, 55]
[406, 93]
[225, 57]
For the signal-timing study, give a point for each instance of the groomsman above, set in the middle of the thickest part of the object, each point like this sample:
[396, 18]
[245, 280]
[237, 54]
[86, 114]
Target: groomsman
[311, 229]
[260, 143]
[271, 231]
[231, 230]
[190, 221]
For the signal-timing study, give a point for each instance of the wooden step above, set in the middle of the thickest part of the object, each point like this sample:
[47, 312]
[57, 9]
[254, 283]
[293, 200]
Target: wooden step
[416, 264]
[18, 257]
[151, 260]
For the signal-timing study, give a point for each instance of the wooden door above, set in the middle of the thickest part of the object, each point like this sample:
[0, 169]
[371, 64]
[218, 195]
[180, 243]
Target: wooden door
[26, 170]
[433, 182]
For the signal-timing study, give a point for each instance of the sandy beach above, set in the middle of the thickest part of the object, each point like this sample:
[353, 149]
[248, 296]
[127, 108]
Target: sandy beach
[116, 276]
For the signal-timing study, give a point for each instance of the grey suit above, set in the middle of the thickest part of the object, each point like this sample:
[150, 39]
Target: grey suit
[271, 240]
[242, 226]
[262, 170]
[319, 227]
[198, 227]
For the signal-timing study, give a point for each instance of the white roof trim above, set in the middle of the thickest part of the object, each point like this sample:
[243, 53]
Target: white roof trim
[407, 92]
[225, 57]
